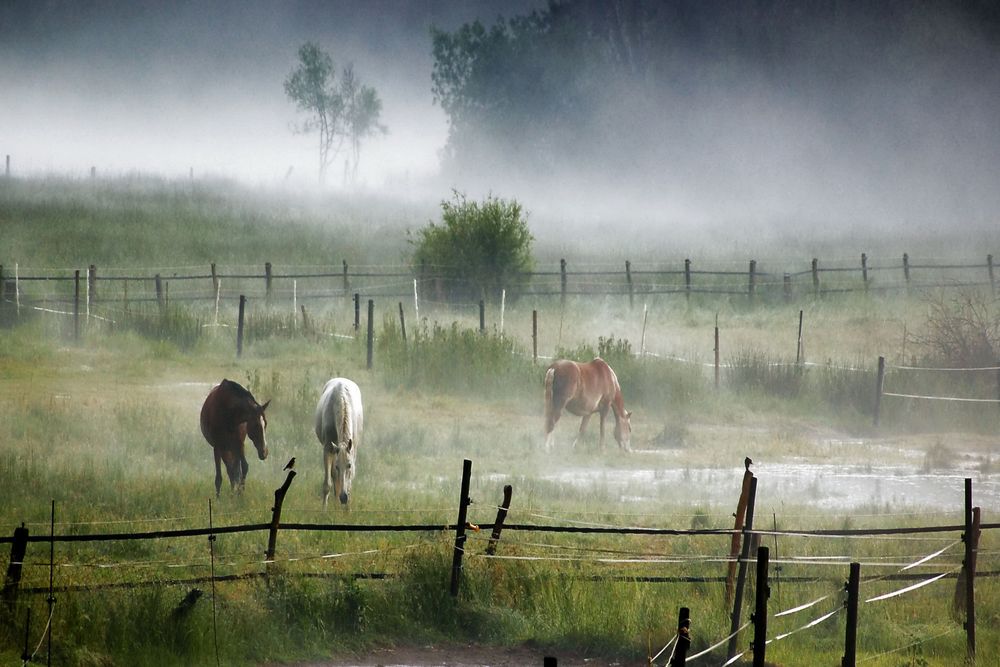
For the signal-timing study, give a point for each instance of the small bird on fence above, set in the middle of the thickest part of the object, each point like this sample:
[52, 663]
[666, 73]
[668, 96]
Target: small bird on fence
[291, 464]
[747, 462]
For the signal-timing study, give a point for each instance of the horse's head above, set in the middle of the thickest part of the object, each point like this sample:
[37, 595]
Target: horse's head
[256, 425]
[343, 470]
[623, 430]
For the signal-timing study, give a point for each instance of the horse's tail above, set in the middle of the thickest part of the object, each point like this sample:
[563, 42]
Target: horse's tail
[550, 376]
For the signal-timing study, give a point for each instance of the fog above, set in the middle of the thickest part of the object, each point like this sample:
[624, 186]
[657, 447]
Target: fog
[836, 146]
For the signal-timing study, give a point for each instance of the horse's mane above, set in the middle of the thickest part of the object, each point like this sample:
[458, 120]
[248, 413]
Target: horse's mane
[237, 389]
[345, 422]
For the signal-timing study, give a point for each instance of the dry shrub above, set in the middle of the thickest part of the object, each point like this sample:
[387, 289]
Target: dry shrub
[963, 330]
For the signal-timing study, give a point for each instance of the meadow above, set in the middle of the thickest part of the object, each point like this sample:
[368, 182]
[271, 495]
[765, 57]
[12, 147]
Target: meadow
[107, 427]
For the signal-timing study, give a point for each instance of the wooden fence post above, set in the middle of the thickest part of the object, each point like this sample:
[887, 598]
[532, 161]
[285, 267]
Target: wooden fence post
[798, 345]
[402, 322]
[491, 547]
[18, 548]
[679, 657]
[463, 506]
[971, 539]
[864, 269]
[534, 337]
[742, 575]
[52, 573]
[786, 281]
[215, 280]
[158, 282]
[7, 170]
[879, 386]
[628, 280]
[716, 352]
[851, 634]
[482, 317]
[752, 281]
[239, 326]
[92, 285]
[26, 655]
[357, 311]
[267, 281]
[562, 280]
[76, 305]
[371, 331]
[989, 272]
[759, 618]
[272, 536]
[347, 284]
[906, 269]
[687, 279]
[815, 275]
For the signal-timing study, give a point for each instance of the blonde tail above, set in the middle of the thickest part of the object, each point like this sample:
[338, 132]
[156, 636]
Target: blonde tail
[549, 425]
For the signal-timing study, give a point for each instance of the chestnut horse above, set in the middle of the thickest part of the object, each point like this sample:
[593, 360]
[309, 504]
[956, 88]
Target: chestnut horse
[584, 389]
[231, 413]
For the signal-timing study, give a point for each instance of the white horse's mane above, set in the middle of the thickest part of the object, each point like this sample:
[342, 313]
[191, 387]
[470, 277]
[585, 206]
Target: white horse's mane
[346, 431]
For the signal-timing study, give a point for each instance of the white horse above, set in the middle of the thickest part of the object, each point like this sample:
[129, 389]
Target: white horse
[339, 422]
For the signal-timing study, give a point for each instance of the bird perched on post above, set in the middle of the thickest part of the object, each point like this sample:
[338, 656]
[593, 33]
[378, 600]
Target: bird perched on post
[746, 462]
[291, 464]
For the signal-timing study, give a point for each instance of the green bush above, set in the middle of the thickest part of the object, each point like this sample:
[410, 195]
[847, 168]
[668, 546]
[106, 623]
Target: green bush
[478, 248]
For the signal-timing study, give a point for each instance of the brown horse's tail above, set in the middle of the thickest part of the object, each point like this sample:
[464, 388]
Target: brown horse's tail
[550, 376]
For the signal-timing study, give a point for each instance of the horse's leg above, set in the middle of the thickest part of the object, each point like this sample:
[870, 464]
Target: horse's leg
[583, 425]
[328, 459]
[218, 472]
[244, 468]
[603, 411]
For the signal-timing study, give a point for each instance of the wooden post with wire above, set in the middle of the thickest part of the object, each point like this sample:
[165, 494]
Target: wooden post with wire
[851, 634]
[864, 269]
[786, 283]
[347, 284]
[272, 536]
[679, 657]
[798, 345]
[18, 548]
[628, 280]
[562, 281]
[91, 285]
[52, 573]
[76, 306]
[463, 507]
[371, 332]
[215, 280]
[357, 311]
[716, 349]
[402, 322]
[879, 387]
[687, 279]
[752, 281]
[742, 575]
[491, 547]
[534, 336]
[971, 539]
[989, 273]
[815, 276]
[482, 317]
[267, 281]
[239, 325]
[906, 269]
[158, 282]
[762, 593]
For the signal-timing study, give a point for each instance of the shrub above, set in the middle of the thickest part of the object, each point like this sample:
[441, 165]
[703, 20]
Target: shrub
[964, 331]
[478, 248]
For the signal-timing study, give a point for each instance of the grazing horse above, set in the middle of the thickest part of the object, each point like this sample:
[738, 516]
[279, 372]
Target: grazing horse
[231, 413]
[584, 389]
[339, 422]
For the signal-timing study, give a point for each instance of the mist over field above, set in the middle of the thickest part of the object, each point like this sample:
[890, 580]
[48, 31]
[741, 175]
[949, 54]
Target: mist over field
[641, 120]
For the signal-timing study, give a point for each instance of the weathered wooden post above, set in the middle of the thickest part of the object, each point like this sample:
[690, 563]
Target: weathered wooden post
[215, 280]
[906, 269]
[562, 280]
[357, 311]
[26, 654]
[272, 536]
[798, 346]
[371, 332]
[716, 352]
[971, 539]
[989, 273]
[402, 322]
[759, 618]
[92, 285]
[158, 282]
[851, 634]
[879, 386]
[815, 276]
[18, 548]
[463, 506]
[864, 269]
[742, 574]
[482, 317]
[491, 547]
[534, 338]
[687, 279]
[628, 280]
[76, 305]
[267, 281]
[679, 657]
[239, 326]
[752, 282]
[51, 599]
[347, 284]
[786, 282]
[7, 170]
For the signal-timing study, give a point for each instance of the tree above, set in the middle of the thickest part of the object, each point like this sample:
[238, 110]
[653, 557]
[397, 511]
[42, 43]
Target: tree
[345, 112]
[479, 247]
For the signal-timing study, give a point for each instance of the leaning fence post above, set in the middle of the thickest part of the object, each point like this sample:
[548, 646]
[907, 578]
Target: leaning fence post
[371, 331]
[491, 548]
[463, 506]
[272, 536]
[534, 337]
[628, 280]
[851, 635]
[18, 548]
[402, 322]
[798, 345]
[759, 618]
[239, 326]
[679, 657]
[742, 575]
[879, 386]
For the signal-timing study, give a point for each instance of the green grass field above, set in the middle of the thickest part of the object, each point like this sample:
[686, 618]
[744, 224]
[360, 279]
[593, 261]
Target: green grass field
[107, 428]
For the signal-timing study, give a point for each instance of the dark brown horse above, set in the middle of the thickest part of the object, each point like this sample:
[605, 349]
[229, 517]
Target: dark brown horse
[231, 413]
[584, 389]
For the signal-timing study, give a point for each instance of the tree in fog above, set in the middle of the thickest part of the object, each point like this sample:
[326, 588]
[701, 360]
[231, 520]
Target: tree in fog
[343, 112]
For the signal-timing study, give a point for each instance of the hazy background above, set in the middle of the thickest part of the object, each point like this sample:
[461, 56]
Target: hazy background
[753, 119]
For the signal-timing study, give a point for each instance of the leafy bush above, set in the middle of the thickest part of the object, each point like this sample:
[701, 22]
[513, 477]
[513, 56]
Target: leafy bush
[478, 248]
